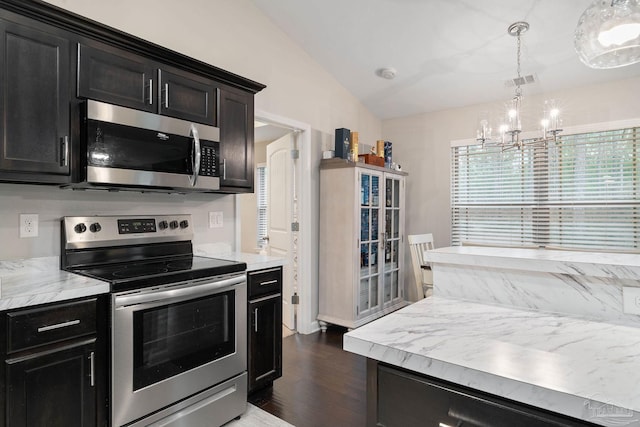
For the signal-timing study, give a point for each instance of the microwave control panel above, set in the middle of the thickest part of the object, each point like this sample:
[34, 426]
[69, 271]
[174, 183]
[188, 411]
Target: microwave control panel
[209, 158]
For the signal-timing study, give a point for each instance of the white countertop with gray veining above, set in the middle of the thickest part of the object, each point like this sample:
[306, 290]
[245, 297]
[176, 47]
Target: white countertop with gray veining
[35, 281]
[254, 261]
[598, 264]
[28, 282]
[584, 369]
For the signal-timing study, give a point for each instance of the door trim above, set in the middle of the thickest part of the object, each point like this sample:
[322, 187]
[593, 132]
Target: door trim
[306, 268]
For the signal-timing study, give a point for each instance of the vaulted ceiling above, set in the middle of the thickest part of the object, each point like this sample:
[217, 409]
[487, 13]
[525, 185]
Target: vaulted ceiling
[447, 53]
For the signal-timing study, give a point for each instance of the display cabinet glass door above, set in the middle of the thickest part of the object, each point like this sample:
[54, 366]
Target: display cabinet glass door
[392, 240]
[370, 246]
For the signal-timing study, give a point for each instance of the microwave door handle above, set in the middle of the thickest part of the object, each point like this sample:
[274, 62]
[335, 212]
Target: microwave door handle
[196, 157]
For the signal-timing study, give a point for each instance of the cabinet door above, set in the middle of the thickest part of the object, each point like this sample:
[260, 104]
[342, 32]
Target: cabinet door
[122, 79]
[265, 340]
[236, 140]
[187, 98]
[370, 186]
[34, 102]
[393, 234]
[52, 388]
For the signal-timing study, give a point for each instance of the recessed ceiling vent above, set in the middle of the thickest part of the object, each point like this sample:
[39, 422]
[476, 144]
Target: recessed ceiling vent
[524, 80]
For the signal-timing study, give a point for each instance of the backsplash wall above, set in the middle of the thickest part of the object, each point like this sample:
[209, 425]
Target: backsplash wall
[52, 203]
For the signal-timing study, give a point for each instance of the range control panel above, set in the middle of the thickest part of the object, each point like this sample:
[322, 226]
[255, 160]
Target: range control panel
[100, 231]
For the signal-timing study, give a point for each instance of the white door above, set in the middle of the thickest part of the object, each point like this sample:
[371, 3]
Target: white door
[280, 214]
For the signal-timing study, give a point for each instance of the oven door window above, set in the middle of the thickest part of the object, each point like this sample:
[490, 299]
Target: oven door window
[175, 338]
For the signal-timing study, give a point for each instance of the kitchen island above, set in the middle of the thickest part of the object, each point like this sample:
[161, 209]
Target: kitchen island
[540, 329]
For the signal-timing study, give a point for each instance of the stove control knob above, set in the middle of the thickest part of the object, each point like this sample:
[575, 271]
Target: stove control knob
[163, 225]
[173, 224]
[95, 227]
[80, 228]
[184, 224]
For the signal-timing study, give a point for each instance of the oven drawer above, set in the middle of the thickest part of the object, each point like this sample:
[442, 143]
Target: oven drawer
[47, 325]
[262, 282]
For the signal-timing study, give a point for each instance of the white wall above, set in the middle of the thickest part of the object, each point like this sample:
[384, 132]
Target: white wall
[421, 144]
[51, 203]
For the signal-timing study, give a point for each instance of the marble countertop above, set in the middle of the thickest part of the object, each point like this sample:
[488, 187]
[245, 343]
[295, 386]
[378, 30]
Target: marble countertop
[584, 369]
[598, 264]
[28, 282]
[253, 261]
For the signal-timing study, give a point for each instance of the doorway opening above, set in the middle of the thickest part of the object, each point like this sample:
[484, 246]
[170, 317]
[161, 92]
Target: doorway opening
[275, 220]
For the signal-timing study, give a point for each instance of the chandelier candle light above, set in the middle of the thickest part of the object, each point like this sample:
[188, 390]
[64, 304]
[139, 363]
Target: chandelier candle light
[512, 126]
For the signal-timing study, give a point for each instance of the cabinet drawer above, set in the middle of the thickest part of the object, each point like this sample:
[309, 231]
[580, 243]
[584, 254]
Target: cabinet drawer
[264, 282]
[46, 325]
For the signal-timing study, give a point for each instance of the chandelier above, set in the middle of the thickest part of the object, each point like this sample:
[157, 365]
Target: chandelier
[510, 128]
[608, 34]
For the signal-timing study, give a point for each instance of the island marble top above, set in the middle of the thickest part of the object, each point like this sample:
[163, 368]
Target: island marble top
[573, 366]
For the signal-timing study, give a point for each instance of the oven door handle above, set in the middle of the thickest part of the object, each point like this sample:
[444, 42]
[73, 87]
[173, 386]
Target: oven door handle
[179, 294]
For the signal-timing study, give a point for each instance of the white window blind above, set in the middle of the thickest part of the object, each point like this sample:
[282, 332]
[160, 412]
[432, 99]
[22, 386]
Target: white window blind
[578, 192]
[261, 196]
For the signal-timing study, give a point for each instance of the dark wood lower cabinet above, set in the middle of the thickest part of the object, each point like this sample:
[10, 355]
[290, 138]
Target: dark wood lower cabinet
[402, 398]
[54, 371]
[53, 388]
[264, 312]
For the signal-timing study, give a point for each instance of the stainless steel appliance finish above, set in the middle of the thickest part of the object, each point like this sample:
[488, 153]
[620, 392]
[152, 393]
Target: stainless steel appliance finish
[178, 321]
[101, 231]
[131, 402]
[141, 119]
[131, 149]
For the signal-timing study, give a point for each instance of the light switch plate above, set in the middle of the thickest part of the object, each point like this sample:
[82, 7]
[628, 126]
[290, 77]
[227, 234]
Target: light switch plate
[215, 220]
[631, 300]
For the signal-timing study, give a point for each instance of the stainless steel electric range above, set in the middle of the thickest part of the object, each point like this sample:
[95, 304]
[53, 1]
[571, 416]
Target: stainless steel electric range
[178, 321]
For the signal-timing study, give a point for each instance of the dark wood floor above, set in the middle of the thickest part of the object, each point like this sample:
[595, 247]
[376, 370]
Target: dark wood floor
[321, 385]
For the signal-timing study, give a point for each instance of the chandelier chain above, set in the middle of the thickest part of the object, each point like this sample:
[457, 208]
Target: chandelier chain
[518, 88]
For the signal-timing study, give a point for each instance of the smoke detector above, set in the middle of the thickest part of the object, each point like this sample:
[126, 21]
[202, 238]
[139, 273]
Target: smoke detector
[386, 73]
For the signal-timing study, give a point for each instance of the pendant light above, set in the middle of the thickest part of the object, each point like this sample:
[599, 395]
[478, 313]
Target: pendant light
[511, 127]
[608, 34]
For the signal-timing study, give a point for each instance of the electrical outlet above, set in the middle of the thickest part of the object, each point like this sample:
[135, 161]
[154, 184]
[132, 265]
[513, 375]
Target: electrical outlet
[631, 299]
[215, 220]
[28, 225]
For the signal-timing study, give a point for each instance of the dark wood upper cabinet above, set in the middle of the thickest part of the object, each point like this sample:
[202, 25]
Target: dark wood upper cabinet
[129, 80]
[51, 60]
[34, 103]
[236, 141]
[187, 98]
[121, 79]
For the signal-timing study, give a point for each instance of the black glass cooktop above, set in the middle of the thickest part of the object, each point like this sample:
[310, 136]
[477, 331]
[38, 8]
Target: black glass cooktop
[132, 275]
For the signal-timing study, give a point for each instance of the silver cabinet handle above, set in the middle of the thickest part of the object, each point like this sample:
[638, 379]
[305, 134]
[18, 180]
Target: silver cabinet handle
[92, 368]
[255, 318]
[196, 157]
[64, 151]
[224, 169]
[166, 95]
[268, 282]
[58, 325]
[150, 91]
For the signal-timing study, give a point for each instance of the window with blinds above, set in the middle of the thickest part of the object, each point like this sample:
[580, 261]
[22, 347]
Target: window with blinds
[261, 196]
[578, 192]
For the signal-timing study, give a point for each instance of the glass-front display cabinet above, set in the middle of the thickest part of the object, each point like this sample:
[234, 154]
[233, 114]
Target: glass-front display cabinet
[361, 242]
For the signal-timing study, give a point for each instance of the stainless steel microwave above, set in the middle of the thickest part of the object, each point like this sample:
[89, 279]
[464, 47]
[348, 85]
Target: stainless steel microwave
[132, 149]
